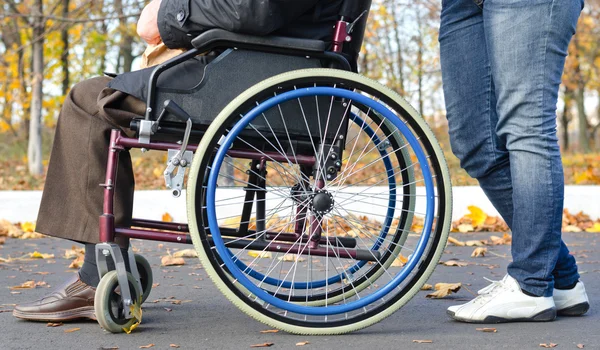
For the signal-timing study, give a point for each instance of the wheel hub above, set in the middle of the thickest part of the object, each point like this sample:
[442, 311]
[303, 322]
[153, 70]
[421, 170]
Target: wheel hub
[322, 202]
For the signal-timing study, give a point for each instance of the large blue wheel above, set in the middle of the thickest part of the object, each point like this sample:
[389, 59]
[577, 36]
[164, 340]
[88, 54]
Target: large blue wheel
[324, 201]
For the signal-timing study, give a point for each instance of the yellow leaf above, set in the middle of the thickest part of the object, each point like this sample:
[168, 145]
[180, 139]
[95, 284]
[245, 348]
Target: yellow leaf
[38, 255]
[171, 261]
[444, 289]
[146, 346]
[479, 252]
[136, 310]
[476, 215]
[260, 254]
[130, 329]
[595, 228]
[186, 253]
[302, 343]
[166, 217]
[28, 226]
[550, 345]
[71, 330]
[474, 243]
[51, 324]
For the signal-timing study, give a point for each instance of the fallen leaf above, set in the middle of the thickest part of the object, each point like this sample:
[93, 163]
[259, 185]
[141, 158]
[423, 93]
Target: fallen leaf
[186, 253]
[423, 341]
[454, 263]
[130, 329]
[166, 217]
[479, 252]
[291, 258]
[38, 255]
[475, 243]
[71, 330]
[570, 228]
[169, 260]
[550, 345]
[263, 345]
[427, 287]
[146, 346]
[74, 252]
[109, 348]
[580, 346]
[464, 228]
[77, 263]
[51, 324]
[476, 215]
[260, 254]
[270, 331]
[28, 226]
[302, 343]
[456, 242]
[400, 261]
[30, 285]
[487, 330]
[444, 289]
[167, 309]
[174, 346]
[594, 228]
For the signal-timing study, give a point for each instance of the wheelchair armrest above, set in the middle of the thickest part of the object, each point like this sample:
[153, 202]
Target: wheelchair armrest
[219, 38]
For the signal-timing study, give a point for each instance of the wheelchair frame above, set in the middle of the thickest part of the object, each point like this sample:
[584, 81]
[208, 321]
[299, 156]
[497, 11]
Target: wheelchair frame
[314, 240]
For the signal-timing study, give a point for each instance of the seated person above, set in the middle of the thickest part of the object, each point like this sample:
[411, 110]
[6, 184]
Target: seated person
[72, 199]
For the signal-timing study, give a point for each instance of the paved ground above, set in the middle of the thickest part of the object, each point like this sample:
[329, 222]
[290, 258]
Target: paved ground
[209, 321]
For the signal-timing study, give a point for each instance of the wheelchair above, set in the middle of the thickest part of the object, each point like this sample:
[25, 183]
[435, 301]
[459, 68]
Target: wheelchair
[318, 200]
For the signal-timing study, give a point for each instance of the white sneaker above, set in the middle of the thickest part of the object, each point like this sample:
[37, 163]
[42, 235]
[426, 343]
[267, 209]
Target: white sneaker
[572, 302]
[503, 301]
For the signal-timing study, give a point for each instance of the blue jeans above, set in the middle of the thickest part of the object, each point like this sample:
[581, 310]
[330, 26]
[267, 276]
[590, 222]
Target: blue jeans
[502, 62]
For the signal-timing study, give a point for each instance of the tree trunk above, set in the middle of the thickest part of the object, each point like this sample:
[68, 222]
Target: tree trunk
[584, 142]
[420, 60]
[566, 118]
[126, 43]
[34, 150]
[64, 57]
[399, 46]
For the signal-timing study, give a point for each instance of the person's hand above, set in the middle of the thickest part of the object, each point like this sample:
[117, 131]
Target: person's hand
[147, 26]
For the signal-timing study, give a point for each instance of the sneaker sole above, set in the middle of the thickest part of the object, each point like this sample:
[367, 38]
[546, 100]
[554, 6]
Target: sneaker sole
[575, 310]
[70, 315]
[544, 316]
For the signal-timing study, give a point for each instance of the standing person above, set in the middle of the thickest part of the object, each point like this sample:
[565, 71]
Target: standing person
[502, 62]
[72, 199]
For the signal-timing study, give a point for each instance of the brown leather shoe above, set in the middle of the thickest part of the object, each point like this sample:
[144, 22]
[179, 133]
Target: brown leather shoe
[73, 300]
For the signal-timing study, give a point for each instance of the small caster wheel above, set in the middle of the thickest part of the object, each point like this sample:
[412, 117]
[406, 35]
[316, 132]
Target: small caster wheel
[145, 271]
[107, 303]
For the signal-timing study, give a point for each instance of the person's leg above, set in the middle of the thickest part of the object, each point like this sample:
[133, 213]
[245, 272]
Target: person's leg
[471, 102]
[527, 43]
[72, 198]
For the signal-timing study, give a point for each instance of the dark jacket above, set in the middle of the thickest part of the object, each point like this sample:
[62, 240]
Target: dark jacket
[179, 21]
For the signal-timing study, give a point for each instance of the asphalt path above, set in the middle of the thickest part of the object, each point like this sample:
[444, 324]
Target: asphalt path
[205, 319]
